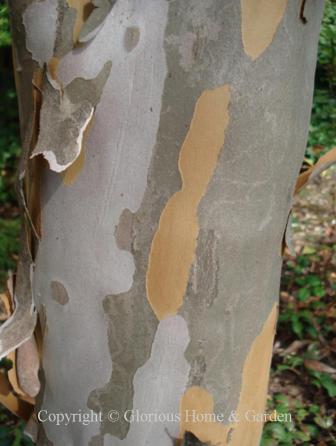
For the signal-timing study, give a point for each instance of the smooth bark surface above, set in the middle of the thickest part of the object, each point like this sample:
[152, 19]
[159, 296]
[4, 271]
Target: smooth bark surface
[172, 134]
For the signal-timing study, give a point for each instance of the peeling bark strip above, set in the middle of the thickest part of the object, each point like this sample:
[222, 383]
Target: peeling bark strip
[27, 367]
[65, 115]
[260, 20]
[252, 397]
[20, 326]
[174, 243]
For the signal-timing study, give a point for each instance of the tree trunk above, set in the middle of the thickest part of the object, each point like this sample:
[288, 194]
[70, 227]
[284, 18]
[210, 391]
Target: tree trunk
[159, 172]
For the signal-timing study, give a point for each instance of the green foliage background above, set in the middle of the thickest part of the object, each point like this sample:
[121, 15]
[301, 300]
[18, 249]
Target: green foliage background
[313, 422]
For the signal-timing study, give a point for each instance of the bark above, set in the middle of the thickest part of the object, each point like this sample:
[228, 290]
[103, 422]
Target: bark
[162, 141]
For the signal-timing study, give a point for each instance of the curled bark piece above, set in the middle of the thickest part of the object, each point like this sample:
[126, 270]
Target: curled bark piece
[13, 379]
[28, 363]
[20, 326]
[322, 164]
[62, 128]
[96, 19]
[12, 373]
[66, 113]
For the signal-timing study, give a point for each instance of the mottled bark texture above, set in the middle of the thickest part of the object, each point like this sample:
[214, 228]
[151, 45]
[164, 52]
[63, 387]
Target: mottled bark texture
[173, 133]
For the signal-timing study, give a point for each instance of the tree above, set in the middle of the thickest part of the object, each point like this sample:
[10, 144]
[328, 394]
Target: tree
[162, 141]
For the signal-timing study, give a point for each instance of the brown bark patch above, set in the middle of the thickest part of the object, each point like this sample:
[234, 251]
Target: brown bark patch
[59, 292]
[131, 38]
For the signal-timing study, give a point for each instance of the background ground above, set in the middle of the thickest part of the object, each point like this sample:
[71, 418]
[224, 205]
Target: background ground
[303, 379]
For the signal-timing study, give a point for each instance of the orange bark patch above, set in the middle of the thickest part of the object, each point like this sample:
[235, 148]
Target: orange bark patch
[197, 405]
[174, 243]
[197, 408]
[71, 173]
[52, 67]
[255, 383]
[260, 20]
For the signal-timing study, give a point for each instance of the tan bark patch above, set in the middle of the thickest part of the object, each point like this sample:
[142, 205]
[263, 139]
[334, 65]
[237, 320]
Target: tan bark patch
[72, 172]
[255, 383]
[174, 243]
[252, 397]
[260, 20]
[6, 306]
[198, 402]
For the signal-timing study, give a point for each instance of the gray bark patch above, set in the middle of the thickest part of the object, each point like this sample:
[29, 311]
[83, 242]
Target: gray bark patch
[205, 270]
[64, 36]
[132, 326]
[40, 19]
[123, 232]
